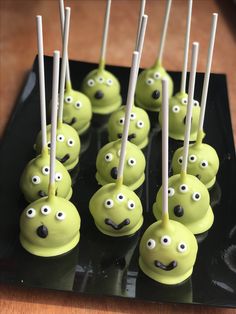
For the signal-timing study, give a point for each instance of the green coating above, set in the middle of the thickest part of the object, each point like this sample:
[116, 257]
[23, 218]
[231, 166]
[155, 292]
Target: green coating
[133, 173]
[139, 125]
[198, 216]
[178, 234]
[149, 81]
[106, 83]
[63, 235]
[119, 212]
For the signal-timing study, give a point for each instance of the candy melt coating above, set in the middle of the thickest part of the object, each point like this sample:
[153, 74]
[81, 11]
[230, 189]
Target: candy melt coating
[168, 252]
[34, 180]
[148, 93]
[103, 90]
[203, 162]
[68, 145]
[177, 117]
[49, 227]
[108, 161]
[188, 203]
[139, 126]
[116, 210]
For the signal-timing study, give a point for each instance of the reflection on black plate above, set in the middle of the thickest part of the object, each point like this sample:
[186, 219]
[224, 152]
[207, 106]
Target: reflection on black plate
[105, 266]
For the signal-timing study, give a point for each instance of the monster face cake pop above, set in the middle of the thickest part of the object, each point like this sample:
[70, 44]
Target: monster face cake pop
[148, 93]
[35, 177]
[167, 249]
[189, 201]
[101, 86]
[203, 161]
[117, 211]
[50, 226]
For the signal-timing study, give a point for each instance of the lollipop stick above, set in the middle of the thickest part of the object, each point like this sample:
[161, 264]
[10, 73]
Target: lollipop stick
[195, 48]
[141, 13]
[129, 104]
[104, 38]
[41, 82]
[141, 36]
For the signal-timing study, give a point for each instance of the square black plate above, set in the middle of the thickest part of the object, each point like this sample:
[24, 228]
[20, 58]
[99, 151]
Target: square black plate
[105, 266]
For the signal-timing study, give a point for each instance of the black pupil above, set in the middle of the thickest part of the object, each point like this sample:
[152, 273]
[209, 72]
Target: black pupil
[120, 197]
[197, 195]
[121, 120]
[30, 212]
[183, 187]
[192, 158]
[131, 205]
[203, 164]
[71, 142]
[35, 179]
[182, 246]
[180, 160]
[107, 157]
[108, 203]
[165, 240]
[131, 161]
[78, 104]
[149, 243]
[59, 214]
[45, 210]
[46, 169]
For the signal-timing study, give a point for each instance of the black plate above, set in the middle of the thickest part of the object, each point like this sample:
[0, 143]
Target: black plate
[105, 266]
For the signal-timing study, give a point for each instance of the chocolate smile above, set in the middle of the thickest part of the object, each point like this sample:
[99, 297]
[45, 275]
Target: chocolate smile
[64, 159]
[130, 136]
[198, 176]
[72, 121]
[168, 267]
[111, 223]
[184, 120]
[41, 193]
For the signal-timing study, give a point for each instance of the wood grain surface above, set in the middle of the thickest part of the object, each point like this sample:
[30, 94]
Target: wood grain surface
[18, 48]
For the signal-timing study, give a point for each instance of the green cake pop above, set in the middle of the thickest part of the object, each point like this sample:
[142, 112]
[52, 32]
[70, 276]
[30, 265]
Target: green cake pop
[167, 248]
[203, 161]
[148, 93]
[50, 226]
[101, 86]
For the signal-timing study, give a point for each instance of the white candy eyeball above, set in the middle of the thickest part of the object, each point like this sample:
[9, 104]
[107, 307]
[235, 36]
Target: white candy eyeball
[183, 188]
[165, 240]
[30, 213]
[78, 105]
[45, 210]
[184, 101]
[196, 196]
[157, 75]
[45, 170]
[195, 103]
[151, 244]
[60, 215]
[109, 82]
[149, 81]
[171, 192]
[58, 176]
[192, 158]
[68, 99]
[176, 109]
[100, 79]
[49, 144]
[131, 162]
[132, 116]
[121, 121]
[204, 164]
[36, 180]
[108, 157]
[131, 204]
[109, 203]
[182, 247]
[60, 138]
[70, 142]
[140, 124]
[91, 83]
[180, 160]
[120, 197]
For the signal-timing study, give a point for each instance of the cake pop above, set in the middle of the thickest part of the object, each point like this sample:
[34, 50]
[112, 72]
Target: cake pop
[148, 93]
[50, 226]
[189, 201]
[101, 86]
[178, 103]
[203, 161]
[117, 210]
[68, 142]
[35, 177]
[167, 249]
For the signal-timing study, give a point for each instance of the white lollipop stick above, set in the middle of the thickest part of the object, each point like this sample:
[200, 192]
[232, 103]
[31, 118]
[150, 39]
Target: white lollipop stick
[195, 48]
[41, 81]
[164, 31]
[141, 36]
[64, 64]
[208, 71]
[129, 104]
[55, 83]
[141, 13]
[105, 34]
[186, 48]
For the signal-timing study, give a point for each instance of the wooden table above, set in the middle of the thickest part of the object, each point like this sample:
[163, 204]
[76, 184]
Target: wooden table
[17, 50]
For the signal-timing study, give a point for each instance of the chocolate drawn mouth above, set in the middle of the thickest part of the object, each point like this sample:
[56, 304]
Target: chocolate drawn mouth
[185, 118]
[42, 193]
[168, 267]
[111, 223]
[130, 136]
[64, 159]
[72, 121]
[198, 176]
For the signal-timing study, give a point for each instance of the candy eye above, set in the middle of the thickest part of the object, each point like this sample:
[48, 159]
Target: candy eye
[176, 109]
[45, 210]
[121, 121]
[182, 247]
[165, 240]
[70, 142]
[157, 75]
[60, 215]
[45, 170]
[180, 160]
[131, 162]
[49, 144]
[140, 124]
[91, 82]
[196, 196]
[150, 81]
[36, 180]
[192, 158]
[68, 99]
[195, 103]
[151, 244]
[184, 101]
[109, 82]
[183, 188]
[30, 213]
[78, 105]
[100, 79]
[171, 192]
[204, 164]
[132, 116]
[109, 203]
[120, 197]
[131, 204]
[108, 157]
[58, 176]
[60, 138]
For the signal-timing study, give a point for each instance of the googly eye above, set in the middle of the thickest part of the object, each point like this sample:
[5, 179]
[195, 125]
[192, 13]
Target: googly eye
[176, 109]
[78, 105]
[45, 210]
[157, 75]
[108, 157]
[131, 162]
[180, 160]
[60, 138]
[195, 103]
[49, 144]
[184, 101]
[140, 124]
[45, 170]
[100, 79]
[183, 188]
[131, 204]
[171, 192]
[132, 116]
[109, 203]
[36, 180]
[68, 99]
[192, 158]
[165, 240]
[60, 215]
[91, 83]
[151, 244]
[120, 197]
[58, 176]
[109, 82]
[149, 81]
[204, 164]
[121, 121]
[196, 196]
[70, 142]
[182, 247]
[30, 213]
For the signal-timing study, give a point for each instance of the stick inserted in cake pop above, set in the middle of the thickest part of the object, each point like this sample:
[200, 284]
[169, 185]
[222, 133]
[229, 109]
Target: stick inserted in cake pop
[104, 36]
[141, 36]
[141, 14]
